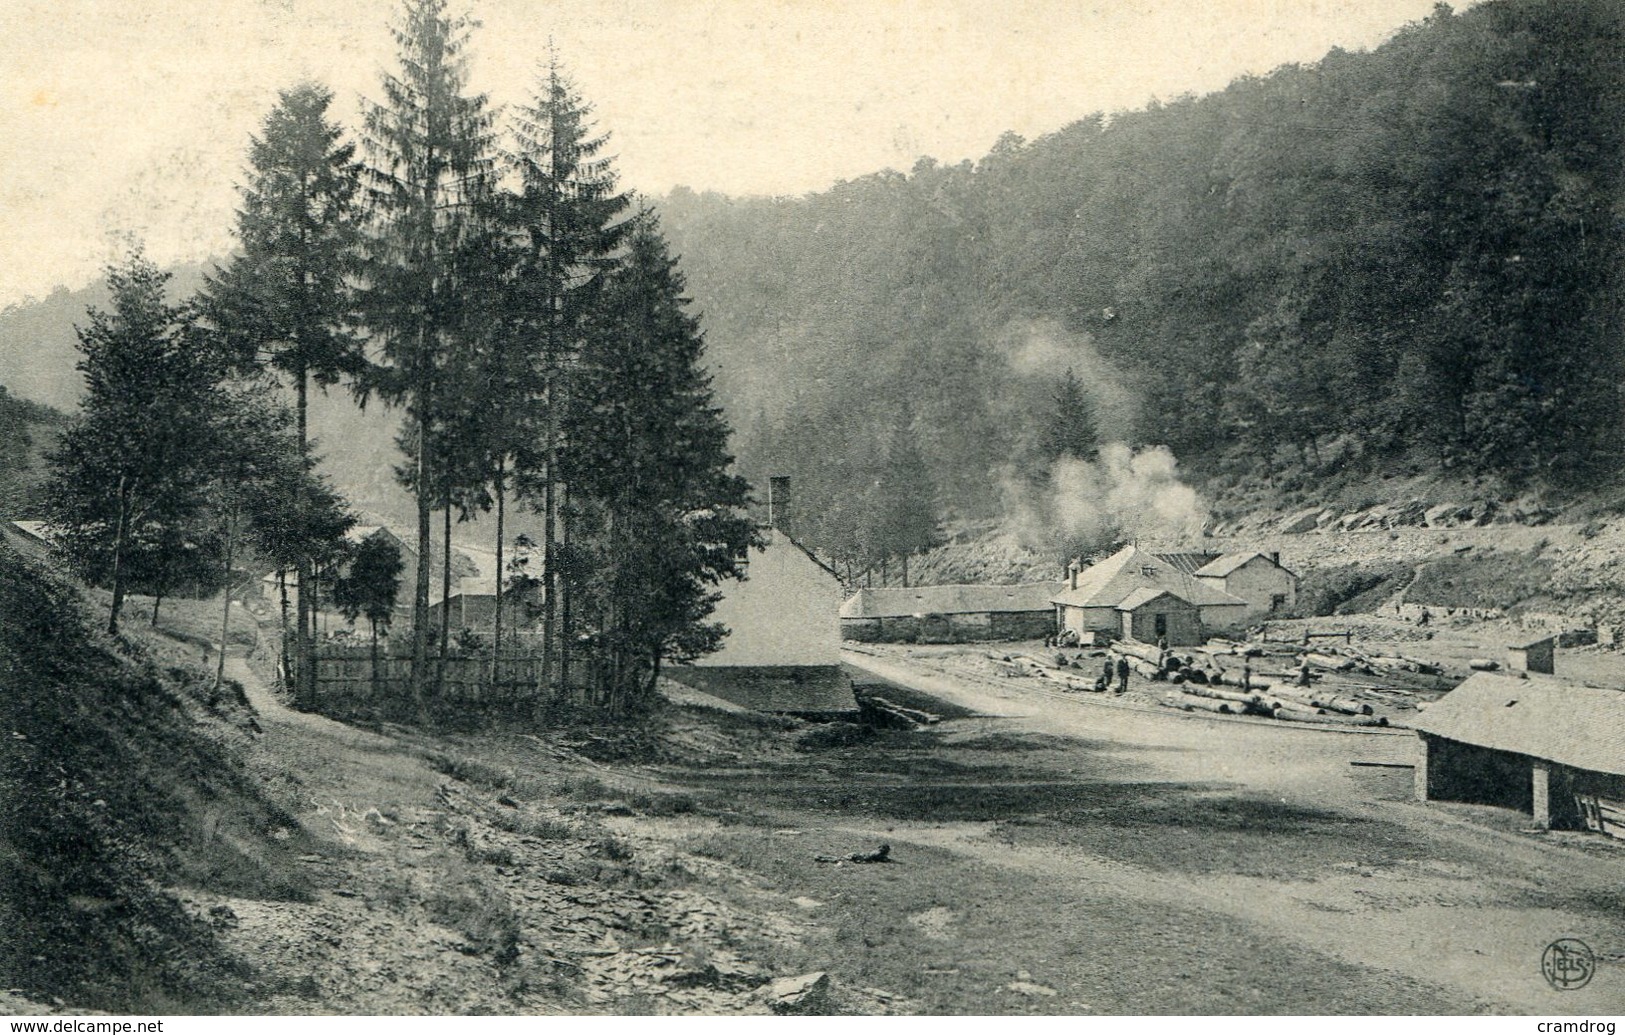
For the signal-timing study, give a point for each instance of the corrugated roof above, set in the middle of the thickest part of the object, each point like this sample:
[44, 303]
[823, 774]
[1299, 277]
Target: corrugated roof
[1545, 717]
[1110, 582]
[897, 602]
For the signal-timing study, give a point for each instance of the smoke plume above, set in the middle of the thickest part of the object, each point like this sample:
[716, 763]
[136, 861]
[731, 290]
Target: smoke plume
[1089, 505]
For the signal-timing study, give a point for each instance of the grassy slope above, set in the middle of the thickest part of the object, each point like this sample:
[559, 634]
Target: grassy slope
[119, 775]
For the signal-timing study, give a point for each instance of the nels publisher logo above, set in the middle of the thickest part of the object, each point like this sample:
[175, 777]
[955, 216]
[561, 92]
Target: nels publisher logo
[1568, 964]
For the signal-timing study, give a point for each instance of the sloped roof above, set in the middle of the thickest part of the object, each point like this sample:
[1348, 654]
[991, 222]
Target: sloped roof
[1189, 563]
[1109, 583]
[1140, 597]
[1227, 563]
[40, 530]
[898, 602]
[773, 534]
[360, 533]
[1545, 717]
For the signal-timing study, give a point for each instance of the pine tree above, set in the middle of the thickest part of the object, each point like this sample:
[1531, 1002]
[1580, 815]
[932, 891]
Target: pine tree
[1071, 429]
[368, 590]
[905, 508]
[660, 516]
[430, 177]
[284, 302]
[567, 226]
[134, 461]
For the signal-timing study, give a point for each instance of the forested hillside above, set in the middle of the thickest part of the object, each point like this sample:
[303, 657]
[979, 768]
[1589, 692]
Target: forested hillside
[28, 431]
[1401, 260]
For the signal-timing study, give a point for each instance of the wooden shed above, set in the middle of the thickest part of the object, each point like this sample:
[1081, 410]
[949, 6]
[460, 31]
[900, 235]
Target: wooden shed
[1154, 615]
[1534, 656]
[1543, 745]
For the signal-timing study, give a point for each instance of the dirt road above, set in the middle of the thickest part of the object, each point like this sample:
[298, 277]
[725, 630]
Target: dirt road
[1434, 892]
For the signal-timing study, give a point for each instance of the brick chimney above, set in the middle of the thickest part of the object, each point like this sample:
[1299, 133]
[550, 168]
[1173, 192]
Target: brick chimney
[1072, 574]
[778, 499]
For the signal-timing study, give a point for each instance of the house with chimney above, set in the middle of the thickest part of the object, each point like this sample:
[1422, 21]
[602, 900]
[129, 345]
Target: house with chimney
[1258, 578]
[1138, 595]
[782, 651]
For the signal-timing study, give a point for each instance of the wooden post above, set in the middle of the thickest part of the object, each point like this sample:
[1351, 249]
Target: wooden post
[1421, 771]
[1541, 785]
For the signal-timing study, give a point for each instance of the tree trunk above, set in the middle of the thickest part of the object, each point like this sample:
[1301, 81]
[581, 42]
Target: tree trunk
[282, 588]
[550, 592]
[157, 602]
[496, 622]
[304, 680]
[420, 597]
[445, 603]
[118, 559]
[566, 627]
[225, 611]
[905, 571]
[374, 623]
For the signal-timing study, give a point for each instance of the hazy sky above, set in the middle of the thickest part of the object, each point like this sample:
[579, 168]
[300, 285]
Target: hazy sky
[131, 117]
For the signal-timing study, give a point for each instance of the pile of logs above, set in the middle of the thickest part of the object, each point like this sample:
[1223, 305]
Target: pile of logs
[1214, 678]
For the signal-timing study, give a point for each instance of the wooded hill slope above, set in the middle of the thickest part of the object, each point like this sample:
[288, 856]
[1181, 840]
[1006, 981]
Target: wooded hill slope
[1396, 261]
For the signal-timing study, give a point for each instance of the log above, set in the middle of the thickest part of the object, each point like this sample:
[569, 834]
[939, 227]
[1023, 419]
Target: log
[1483, 665]
[1144, 651]
[1222, 695]
[1205, 704]
[1328, 661]
[1174, 701]
[1346, 705]
[1233, 678]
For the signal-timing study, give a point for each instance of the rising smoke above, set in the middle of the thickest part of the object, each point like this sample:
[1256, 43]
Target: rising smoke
[1086, 506]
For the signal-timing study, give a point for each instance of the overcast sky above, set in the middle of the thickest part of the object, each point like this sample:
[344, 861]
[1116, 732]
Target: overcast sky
[131, 117]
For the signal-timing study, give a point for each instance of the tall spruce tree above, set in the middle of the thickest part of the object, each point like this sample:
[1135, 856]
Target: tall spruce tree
[566, 219]
[284, 301]
[660, 516]
[905, 506]
[430, 172]
[135, 460]
[1071, 428]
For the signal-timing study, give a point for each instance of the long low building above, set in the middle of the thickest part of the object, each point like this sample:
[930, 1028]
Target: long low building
[1540, 744]
[949, 614]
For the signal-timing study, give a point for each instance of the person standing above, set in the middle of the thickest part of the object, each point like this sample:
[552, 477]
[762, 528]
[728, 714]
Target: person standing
[1122, 675]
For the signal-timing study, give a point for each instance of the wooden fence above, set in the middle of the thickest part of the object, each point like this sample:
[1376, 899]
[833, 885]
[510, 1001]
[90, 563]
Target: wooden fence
[348, 685]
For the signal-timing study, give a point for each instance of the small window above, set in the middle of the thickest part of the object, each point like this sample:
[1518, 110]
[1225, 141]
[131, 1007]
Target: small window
[1277, 601]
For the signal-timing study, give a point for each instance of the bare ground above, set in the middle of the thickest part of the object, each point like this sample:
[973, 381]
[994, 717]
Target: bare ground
[1053, 855]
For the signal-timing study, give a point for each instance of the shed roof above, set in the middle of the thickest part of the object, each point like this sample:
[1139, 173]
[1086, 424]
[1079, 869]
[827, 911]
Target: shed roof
[1108, 583]
[1542, 641]
[1141, 597]
[1544, 717]
[40, 530]
[897, 602]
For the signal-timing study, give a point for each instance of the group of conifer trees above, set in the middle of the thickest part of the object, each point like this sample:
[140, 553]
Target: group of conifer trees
[498, 290]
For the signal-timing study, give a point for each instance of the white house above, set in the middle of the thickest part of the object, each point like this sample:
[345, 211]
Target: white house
[783, 648]
[1110, 598]
[1257, 578]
